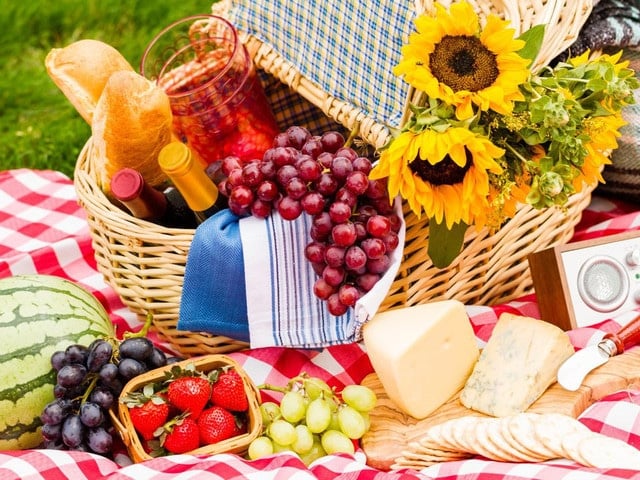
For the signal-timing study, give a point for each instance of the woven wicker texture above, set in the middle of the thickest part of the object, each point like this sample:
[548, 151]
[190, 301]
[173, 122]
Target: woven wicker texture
[238, 444]
[145, 262]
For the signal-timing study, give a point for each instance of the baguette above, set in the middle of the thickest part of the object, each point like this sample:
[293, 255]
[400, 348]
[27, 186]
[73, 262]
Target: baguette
[81, 71]
[132, 121]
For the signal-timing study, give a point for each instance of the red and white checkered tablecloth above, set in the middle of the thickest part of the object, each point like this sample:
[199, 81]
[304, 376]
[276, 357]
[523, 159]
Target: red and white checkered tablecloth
[43, 230]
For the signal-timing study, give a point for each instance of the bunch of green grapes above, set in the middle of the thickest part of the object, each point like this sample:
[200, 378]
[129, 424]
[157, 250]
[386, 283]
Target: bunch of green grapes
[313, 420]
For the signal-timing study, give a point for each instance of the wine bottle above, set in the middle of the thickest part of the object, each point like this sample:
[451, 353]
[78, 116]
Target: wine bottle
[166, 208]
[190, 178]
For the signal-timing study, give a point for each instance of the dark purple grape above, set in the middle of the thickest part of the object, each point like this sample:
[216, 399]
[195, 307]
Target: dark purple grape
[72, 431]
[130, 367]
[54, 412]
[138, 348]
[59, 391]
[58, 360]
[157, 358]
[91, 414]
[76, 353]
[83, 447]
[71, 375]
[102, 396]
[51, 432]
[54, 445]
[114, 385]
[172, 360]
[99, 355]
[108, 372]
[99, 440]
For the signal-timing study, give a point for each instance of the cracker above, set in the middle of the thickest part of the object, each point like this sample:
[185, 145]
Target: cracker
[442, 434]
[571, 449]
[463, 432]
[522, 428]
[488, 447]
[549, 429]
[494, 432]
[514, 443]
[429, 447]
[600, 451]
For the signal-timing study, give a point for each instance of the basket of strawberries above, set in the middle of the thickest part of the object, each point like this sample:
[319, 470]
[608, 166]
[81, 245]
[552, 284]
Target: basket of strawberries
[202, 406]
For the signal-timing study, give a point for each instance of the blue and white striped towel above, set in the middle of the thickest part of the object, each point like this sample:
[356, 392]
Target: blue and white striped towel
[281, 307]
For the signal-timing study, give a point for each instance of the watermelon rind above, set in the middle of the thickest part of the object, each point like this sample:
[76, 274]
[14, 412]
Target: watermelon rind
[39, 315]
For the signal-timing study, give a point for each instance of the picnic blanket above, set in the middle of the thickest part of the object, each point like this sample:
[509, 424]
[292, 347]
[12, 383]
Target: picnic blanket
[44, 230]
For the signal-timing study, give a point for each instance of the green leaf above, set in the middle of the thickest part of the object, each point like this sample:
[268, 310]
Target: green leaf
[445, 244]
[533, 42]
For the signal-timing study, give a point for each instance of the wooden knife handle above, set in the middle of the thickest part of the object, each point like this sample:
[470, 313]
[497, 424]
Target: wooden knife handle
[627, 336]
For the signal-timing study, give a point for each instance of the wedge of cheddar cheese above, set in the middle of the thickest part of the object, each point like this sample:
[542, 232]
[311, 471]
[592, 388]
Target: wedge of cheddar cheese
[517, 365]
[422, 354]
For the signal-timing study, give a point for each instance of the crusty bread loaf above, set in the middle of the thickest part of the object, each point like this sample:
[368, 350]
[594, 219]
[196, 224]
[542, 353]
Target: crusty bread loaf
[132, 121]
[81, 70]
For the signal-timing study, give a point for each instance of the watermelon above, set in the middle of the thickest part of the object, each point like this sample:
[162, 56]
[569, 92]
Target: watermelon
[39, 314]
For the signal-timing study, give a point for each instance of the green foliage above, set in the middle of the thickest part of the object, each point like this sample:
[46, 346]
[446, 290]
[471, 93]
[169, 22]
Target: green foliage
[39, 128]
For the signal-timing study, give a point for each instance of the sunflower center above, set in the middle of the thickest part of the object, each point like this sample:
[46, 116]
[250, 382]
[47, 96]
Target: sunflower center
[463, 63]
[445, 172]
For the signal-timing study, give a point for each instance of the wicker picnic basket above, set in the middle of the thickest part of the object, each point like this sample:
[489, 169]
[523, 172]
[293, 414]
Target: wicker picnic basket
[145, 262]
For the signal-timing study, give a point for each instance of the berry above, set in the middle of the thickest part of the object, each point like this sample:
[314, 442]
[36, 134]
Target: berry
[228, 391]
[189, 394]
[216, 424]
[183, 436]
[149, 416]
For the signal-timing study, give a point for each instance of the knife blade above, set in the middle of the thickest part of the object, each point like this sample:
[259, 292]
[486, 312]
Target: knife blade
[573, 370]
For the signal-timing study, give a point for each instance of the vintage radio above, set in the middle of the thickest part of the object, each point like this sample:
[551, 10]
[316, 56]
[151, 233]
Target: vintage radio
[583, 283]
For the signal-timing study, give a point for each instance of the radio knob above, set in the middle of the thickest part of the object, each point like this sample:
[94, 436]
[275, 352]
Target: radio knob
[633, 257]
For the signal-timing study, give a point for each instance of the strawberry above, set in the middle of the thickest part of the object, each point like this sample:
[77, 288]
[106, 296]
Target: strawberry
[183, 436]
[216, 424]
[147, 417]
[189, 394]
[228, 391]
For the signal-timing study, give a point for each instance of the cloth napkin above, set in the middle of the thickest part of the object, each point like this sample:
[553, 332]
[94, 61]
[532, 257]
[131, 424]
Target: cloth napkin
[281, 307]
[213, 296]
[248, 279]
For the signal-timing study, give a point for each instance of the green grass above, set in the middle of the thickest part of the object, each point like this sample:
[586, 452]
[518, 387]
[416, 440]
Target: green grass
[39, 128]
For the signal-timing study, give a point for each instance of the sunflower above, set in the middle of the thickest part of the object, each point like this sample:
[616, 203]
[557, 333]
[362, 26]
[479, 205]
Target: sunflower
[443, 173]
[451, 58]
[603, 132]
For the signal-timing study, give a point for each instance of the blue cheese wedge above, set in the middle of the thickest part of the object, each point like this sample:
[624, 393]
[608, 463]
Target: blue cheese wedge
[422, 354]
[519, 362]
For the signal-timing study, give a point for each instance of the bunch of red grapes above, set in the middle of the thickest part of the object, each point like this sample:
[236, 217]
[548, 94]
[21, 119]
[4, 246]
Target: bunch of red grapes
[354, 228]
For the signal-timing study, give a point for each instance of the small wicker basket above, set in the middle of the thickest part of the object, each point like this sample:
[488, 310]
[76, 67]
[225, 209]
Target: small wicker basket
[239, 444]
[145, 263]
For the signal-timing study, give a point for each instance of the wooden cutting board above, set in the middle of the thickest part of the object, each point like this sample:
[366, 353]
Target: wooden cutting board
[391, 430]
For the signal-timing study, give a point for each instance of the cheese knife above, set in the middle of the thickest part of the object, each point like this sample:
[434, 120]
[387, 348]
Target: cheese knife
[573, 371]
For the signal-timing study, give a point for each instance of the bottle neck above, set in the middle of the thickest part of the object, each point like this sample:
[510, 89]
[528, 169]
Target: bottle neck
[188, 176]
[143, 201]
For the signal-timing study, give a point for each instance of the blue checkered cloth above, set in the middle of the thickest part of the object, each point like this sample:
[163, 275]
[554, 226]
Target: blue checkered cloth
[348, 48]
